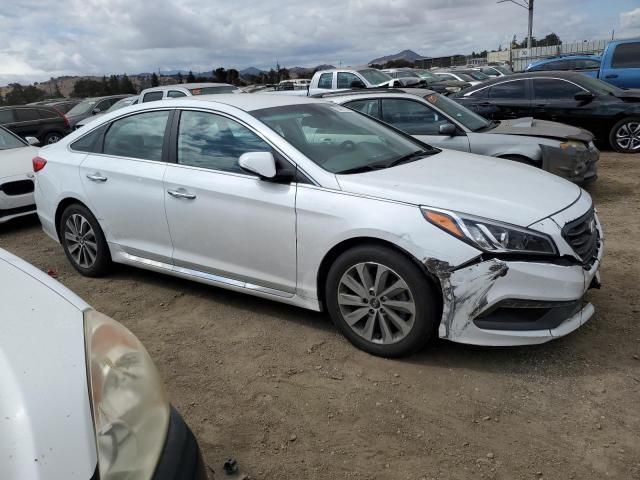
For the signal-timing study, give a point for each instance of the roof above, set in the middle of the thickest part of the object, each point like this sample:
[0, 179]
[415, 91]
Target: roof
[189, 86]
[567, 74]
[249, 101]
[379, 92]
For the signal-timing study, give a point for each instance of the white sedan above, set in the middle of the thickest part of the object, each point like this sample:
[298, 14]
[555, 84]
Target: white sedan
[80, 396]
[16, 184]
[309, 203]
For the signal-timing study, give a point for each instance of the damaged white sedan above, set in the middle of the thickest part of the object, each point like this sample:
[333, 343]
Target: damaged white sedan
[309, 203]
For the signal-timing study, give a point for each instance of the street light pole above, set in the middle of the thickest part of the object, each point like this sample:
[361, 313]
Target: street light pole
[528, 4]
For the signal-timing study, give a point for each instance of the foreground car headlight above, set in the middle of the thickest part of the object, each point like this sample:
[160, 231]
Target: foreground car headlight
[130, 407]
[453, 89]
[491, 235]
[575, 144]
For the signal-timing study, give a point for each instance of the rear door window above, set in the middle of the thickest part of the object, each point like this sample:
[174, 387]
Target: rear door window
[47, 114]
[411, 117]
[6, 116]
[152, 97]
[345, 79]
[626, 55]
[27, 114]
[508, 90]
[325, 80]
[551, 88]
[137, 136]
[370, 107]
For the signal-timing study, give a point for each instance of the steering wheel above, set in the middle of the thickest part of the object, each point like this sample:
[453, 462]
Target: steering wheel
[348, 146]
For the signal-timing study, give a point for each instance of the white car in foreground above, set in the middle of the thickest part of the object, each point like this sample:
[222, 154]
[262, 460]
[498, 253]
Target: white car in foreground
[309, 203]
[16, 172]
[80, 397]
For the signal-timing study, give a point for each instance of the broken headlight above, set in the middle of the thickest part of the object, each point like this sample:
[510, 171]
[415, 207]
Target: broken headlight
[130, 407]
[491, 235]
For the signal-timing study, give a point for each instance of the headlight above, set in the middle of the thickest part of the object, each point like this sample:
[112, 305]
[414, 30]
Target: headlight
[490, 235]
[453, 89]
[130, 407]
[573, 143]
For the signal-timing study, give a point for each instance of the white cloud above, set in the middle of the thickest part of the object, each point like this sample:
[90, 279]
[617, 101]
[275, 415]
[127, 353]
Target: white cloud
[630, 23]
[44, 38]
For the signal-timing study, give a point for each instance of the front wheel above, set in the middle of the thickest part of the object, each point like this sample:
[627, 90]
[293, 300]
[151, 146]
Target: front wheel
[83, 241]
[381, 301]
[625, 135]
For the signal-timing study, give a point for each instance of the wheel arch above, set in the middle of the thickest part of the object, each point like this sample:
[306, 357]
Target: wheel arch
[62, 205]
[349, 243]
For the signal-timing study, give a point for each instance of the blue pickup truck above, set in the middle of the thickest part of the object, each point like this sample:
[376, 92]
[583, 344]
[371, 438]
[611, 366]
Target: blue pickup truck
[619, 64]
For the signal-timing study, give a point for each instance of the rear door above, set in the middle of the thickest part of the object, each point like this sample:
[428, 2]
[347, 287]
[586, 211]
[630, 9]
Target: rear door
[554, 99]
[624, 71]
[27, 123]
[511, 99]
[124, 184]
[226, 224]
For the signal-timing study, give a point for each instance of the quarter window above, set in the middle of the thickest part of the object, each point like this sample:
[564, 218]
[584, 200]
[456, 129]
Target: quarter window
[89, 142]
[411, 117]
[6, 116]
[554, 89]
[511, 90]
[325, 80]
[137, 136]
[215, 142]
[345, 79]
[48, 114]
[626, 55]
[152, 97]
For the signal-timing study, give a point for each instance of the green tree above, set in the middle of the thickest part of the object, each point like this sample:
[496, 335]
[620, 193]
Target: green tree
[114, 85]
[190, 77]
[220, 75]
[126, 86]
[86, 87]
[154, 80]
[180, 79]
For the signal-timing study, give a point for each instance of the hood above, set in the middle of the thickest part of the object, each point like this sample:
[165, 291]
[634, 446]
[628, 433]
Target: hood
[16, 161]
[483, 186]
[541, 128]
[45, 417]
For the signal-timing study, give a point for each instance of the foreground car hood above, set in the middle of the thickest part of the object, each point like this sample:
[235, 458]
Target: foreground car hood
[541, 128]
[483, 186]
[16, 161]
[45, 418]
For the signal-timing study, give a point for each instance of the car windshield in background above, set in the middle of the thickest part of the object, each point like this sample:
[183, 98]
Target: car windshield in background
[125, 102]
[466, 117]
[504, 70]
[598, 86]
[9, 141]
[373, 76]
[425, 74]
[82, 107]
[465, 77]
[407, 74]
[476, 75]
[339, 139]
[212, 90]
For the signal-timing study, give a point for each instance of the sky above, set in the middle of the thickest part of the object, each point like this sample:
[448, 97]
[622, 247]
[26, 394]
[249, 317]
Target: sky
[40, 39]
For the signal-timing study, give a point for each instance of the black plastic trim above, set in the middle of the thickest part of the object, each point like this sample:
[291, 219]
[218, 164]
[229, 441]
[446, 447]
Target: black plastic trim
[14, 211]
[523, 315]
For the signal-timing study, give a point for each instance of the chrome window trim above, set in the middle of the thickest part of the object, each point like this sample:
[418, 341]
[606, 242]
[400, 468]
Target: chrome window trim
[523, 80]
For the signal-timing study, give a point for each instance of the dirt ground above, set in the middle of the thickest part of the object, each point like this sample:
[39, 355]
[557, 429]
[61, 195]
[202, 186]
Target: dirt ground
[281, 391]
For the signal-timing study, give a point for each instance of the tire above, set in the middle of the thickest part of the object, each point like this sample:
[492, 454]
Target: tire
[624, 137]
[379, 333]
[83, 241]
[52, 137]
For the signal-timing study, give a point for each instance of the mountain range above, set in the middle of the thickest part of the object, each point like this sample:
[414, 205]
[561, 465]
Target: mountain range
[408, 55]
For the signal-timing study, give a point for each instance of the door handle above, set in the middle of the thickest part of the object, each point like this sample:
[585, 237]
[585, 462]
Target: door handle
[181, 194]
[611, 76]
[96, 177]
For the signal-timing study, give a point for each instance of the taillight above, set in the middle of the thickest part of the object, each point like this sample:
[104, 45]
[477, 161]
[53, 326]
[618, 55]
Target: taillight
[38, 163]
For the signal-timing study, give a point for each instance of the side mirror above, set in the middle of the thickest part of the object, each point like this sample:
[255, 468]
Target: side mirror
[358, 84]
[447, 129]
[583, 96]
[261, 163]
[95, 111]
[33, 141]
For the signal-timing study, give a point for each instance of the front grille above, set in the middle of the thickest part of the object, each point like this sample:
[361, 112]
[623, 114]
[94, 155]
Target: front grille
[583, 236]
[19, 187]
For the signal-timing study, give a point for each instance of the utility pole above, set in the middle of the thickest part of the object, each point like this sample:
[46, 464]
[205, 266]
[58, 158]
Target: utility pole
[527, 4]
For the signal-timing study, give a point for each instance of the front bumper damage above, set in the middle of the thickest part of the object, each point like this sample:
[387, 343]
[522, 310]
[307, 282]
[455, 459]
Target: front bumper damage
[576, 165]
[496, 302]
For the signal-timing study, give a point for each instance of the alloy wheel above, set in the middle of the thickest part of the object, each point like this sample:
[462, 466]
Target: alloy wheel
[628, 136]
[80, 240]
[376, 303]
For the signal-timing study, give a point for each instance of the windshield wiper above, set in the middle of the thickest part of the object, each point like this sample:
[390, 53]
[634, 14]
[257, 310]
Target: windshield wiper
[360, 169]
[408, 158]
[489, 126]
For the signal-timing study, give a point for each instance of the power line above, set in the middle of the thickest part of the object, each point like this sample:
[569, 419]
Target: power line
[528, 5]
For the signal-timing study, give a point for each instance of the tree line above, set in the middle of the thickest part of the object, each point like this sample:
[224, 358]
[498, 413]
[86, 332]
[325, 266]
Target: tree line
[87, 87]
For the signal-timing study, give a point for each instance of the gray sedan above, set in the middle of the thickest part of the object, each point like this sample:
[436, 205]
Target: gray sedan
[434, 119]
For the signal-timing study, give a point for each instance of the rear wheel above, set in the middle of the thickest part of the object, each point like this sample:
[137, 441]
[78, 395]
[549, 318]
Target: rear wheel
[625, 135]
[52, 137]
[381, 301]
[83, 241]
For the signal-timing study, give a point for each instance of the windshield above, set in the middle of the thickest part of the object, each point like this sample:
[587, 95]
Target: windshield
[465, 77]
[466, 117]
[125, 102]
[212, 90]
[339, 139]
[373, 76]
[504, 70]
[8, 141]
[598, 86]
[82, 107]
[477, 75]
[407, 74]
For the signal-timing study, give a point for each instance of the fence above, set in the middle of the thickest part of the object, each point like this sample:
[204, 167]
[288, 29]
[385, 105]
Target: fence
[519, 58]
